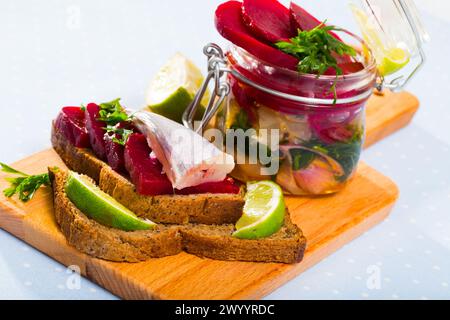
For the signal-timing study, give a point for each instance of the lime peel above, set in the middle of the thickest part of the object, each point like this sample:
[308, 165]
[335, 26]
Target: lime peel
[173, 88]
[264, 211]
[100, 206]
[390, 58]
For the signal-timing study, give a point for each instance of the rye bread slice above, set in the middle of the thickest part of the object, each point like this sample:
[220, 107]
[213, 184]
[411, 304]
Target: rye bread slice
[209, 241]
[286, 246]
[172, 209]
[102, 242]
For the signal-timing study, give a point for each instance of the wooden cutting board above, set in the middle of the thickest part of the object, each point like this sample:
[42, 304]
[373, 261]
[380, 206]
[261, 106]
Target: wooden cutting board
[327, 222]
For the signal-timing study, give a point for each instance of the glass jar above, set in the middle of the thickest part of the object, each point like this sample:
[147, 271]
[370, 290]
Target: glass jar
[318, 121]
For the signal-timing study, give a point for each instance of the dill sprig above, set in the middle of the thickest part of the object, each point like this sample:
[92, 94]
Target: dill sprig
[25, 185]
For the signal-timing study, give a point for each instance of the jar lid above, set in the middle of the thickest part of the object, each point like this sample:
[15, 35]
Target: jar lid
[395, 34]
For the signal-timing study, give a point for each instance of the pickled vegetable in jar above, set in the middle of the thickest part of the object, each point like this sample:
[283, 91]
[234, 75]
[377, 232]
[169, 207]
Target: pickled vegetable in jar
[319, 144]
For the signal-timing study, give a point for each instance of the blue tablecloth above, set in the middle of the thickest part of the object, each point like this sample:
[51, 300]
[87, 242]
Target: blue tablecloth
[56, 53]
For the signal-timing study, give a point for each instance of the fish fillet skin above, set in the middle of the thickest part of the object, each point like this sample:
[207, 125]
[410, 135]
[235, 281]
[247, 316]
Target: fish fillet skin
[187, 158]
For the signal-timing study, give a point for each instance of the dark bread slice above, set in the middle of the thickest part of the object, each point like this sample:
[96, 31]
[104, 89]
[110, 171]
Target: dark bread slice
[174, 209]
[216, 242]
[211, 241]
[99, 241]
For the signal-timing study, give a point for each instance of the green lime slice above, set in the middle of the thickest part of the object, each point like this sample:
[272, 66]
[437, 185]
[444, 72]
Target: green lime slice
[264, 211]
[389, 56]
[174, 87]
[393, 60]
[100, 206]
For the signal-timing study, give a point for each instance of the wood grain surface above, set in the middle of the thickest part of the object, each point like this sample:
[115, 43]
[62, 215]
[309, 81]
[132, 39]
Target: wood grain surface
[328, 223]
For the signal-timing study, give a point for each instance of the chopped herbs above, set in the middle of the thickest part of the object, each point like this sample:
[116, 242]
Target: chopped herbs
[346, 153]
[119, 135]
[25, 185]
[317, 49]
[301, 159]
[112, 112]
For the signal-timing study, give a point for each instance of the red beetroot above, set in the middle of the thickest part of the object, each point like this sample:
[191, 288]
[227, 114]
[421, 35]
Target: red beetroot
[347, 67]
[70, 122]
[145, 171]
[229, 23]
[268, 20]
[114, 154]
[114, 150]
[96, 130]
[303, 20]
[227, 186]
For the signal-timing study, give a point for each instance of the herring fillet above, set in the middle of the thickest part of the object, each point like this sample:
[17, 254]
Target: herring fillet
[187, 158]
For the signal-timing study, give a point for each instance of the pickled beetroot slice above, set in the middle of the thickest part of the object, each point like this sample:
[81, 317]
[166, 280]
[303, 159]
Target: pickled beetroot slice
[228, 186]
[303, 20]
[229, 23]
[96, 130]
[70, 123]
[347, 67]
[145, 171]
[114, 154]
[268, 20]
[114, 150]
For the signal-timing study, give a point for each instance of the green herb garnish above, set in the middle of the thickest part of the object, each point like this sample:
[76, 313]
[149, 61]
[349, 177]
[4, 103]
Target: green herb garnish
[119, 135]
[346, 153]
[241, 121]
[317, 49]
[25, 185]
[301, 159]
[112, 112]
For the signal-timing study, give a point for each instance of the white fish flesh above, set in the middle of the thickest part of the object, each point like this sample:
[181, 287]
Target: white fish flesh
[187, 158]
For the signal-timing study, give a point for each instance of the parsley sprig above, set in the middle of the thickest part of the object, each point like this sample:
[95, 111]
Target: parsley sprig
[25, 185]
[112, 112]
[119, 135]
[317, 50]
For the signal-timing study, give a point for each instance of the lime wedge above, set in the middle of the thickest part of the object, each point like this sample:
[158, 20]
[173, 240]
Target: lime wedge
[174, 87]
[101, 207]
[393, 60]
[264, 211]
[390, 57]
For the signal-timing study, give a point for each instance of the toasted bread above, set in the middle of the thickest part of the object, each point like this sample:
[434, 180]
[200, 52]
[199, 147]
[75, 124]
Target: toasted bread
[99, 241]
[211, 241]
[173, 209]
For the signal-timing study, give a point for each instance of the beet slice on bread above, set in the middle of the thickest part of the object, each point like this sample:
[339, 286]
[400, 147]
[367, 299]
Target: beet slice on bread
[145, 171]
[96, 130]
[70, 122]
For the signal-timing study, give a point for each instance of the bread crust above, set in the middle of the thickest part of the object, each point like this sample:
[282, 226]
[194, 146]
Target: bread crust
[209, 241]
[94, 239]
[171, 209]
[286, 246]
